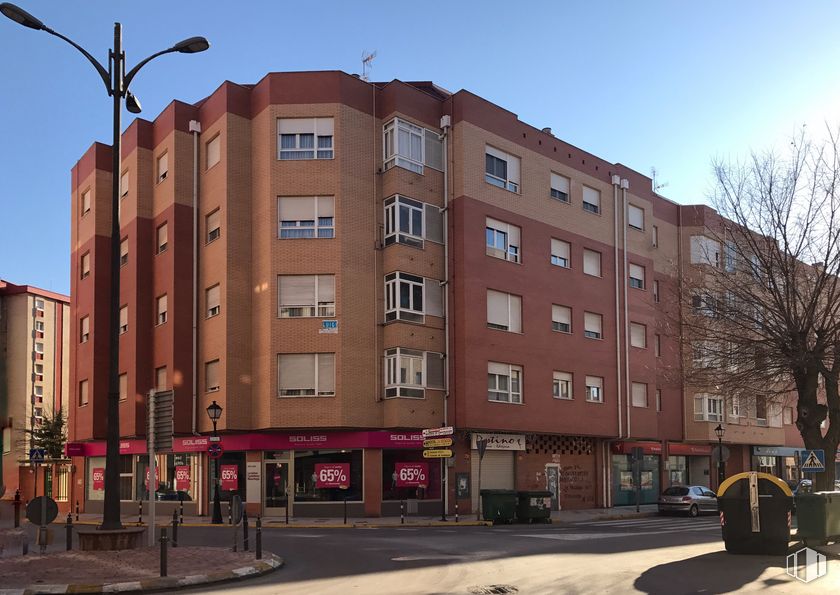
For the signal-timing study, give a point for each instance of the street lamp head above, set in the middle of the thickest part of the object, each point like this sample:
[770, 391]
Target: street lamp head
[214, 410]
[719, 430]
[20, 16]
[193, 45]
[132, 104]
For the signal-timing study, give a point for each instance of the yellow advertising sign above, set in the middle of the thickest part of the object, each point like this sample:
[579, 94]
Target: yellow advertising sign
[437, 454]
[437, 442]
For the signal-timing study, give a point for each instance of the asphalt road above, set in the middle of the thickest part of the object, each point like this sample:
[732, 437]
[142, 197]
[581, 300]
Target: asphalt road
[669, 555]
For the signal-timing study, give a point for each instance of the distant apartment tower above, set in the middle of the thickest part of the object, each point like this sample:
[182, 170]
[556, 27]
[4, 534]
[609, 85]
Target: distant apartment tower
[34, 382]
[373, 259]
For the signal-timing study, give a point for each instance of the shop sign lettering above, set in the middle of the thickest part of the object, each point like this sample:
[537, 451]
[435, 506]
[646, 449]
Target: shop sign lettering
[500, 441]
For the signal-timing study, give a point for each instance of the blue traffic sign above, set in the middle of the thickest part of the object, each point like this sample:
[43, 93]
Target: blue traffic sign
[36, 455]
[812, 461]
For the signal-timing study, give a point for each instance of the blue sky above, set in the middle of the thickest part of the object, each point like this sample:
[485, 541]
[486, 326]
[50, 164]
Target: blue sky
[665, 84]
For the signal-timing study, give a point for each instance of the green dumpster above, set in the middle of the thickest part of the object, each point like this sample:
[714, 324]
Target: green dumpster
[534, 506]
[498, 506]
[755, 513]
[818, 517]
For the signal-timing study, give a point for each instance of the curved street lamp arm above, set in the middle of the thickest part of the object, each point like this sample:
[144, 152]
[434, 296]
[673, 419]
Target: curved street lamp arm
[141, 64]
[99, 68]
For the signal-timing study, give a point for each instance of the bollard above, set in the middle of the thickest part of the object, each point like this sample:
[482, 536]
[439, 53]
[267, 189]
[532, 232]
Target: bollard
[287, 510]
[77, 511]
[230, 514]
[163, 541]
[17, 509]
[244, 531]
[259, 538]
[140, 514]
[69, 528]
[174, 528]
[345, 510]
[181, 498]
[402, 512]
[456, 512]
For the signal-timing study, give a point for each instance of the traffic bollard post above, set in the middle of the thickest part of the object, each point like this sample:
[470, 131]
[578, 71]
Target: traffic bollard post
[181, 499]
[17, 509]
[230, 514]
[174, 528]
[140, 513]
[69, 528]
[456, 512]
[402, 512]
[345, 510]
[77, 511]
[244, 531]
[163, 540]
[259, 538]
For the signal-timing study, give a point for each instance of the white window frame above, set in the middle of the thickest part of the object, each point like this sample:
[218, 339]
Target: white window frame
[507, 182]
[84, 334]
[563, 386]
[558, 247]
[496, 389]
[39, 348]
[514, 312]
[39, 326]
[318, 152]
[213, 233]
[213, 310]
[207, 386]
[315, 389]
[587, 251]
[396, 360]
[588, 205]
[124, 184]
[394, 154]
[710, 410]
[321, 228]
[635, 280]
[394, 283]
[213, 151]
[161, 316]
[320, 309]
[123, 254]
[123, 327]
[637, 389]
[38, 390]
[84, 265]
[635, 217]
[40, 304]
[635, 329]
[595, 389]
[704, 250]
[162, 246]
[162, 172]
[560, 188]
[556, 323]
[501, 246]
[592, 334]
[397, 207]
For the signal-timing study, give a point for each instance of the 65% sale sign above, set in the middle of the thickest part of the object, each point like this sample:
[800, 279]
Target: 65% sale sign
[411, 475]
[332, 475]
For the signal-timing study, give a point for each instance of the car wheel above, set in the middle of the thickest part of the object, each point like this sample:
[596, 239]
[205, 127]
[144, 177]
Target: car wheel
[693, 511]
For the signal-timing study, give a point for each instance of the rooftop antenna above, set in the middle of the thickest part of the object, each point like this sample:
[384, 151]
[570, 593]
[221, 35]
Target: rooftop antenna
[657, 186]
[367, 64]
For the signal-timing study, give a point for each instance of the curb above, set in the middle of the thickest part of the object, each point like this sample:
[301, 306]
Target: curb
[279, 525]
[156, 584]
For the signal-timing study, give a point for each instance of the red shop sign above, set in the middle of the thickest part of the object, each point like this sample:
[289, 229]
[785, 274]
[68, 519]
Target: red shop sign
[182, 477]
[99, 478]
[230, 477]
[332, 475]
[411, 475]
[157, 478]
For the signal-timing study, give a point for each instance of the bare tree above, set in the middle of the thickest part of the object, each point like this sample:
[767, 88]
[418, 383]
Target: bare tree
[762, 296]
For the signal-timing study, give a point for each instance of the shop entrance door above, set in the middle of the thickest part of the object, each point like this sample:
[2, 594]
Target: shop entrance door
[276, 489]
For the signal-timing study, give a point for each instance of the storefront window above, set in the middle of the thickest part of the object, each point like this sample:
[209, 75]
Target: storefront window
[177, 476]
[676, 471]
[306, 489]
[624, 486]
[231, 468]
[95, 485]
[391, 490]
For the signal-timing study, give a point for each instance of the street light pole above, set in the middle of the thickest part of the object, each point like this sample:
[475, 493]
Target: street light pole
[214, 411]
[116, 82]
[719, 430]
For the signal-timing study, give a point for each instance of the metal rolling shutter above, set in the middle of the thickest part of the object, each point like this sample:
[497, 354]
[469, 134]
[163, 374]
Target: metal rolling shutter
[496, 472]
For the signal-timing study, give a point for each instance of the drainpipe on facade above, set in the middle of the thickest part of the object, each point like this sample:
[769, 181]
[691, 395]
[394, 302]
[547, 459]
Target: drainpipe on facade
[195, 129]
[377, 247]
[445, 123]
[616, 180]
[625, 184]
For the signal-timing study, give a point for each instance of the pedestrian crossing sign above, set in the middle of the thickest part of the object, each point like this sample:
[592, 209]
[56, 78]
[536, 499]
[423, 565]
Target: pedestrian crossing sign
[812, 461]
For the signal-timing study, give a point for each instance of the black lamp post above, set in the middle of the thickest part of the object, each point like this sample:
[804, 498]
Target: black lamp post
[214, 411]
[719, 431]
[116, 84]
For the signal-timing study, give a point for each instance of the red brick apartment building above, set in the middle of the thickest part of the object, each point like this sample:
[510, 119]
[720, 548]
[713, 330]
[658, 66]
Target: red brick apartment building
[360, 247]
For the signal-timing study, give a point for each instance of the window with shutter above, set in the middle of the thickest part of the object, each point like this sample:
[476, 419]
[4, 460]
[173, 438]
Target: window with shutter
[212, 299]
[306, 217]
[559, 187]
[595, 389]
[592, 263]
[211, 376]
[85, 264]
[162, 238]
[162, 167]
[84, 333]
[561, 318]
[123, 319]
[504, 311]
[638, 393]
[562, 388]
[638, 335]
[213, 151]
[501, 169]
[124, 252]
[637, 276]
[635, 217]
[561, 253]
[305, 138]
[306, 295]
[592, 325]
[591, 200]
[504, 382]
[161, 309]
[502, 240]
[123, 387]
[213, 225]
[85, 202]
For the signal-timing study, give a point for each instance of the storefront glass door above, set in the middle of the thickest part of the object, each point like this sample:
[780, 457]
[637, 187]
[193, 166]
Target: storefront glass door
[276, 488]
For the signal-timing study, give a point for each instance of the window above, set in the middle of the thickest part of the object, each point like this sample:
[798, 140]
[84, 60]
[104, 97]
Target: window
[83, 392]
[38, 390]
[595, 389]
[84, 329]
[39, 326]
[306, 295]
[591, 200]
[559, 187]
[306, 217]
[504, 383]
[161, 309]
[638, 393]
[306, 374]
[160, 378]
[85, 202]
[702, 354]
[124, 184]
[657, 345]
[705, 251]
[708, 408]
[409, 372]
[403, 221]
[123, 319]
[85, 265]
[434, 150]
[761, 411]
[404, 297]
[403, 145]
[638, 335]
[213, 225]
[561, 253]
[591, 262]
[501, 169]
[211, 297]
[211, 376]
[658, 400]
[655, 236]
[735, 408]
[214, 151]
[124, 252]
[656, 292]
[502, 240]
[562, 388]
[39, 305]
[39, 348]
[123, 387]
[637, 276]
[787, 416]
[504, 311]
[561, 318]
[729, 256]
[635, 217]
[163, 167]
[39, 372]
[162, 238]
[592, 325]
[704, 305]
[305, 138]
